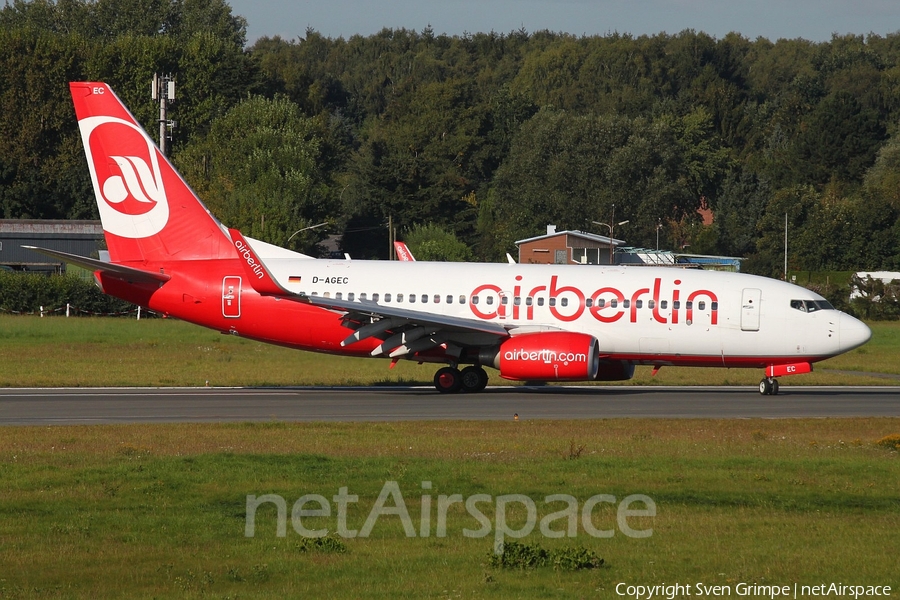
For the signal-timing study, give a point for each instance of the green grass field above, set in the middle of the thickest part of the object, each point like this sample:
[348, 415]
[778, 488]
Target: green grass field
[60, 352]
[159, 511]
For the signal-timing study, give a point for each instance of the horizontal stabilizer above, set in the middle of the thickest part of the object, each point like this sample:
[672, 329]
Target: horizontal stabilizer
[129, 274]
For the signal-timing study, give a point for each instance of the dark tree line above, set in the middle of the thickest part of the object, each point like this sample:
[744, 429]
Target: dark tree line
[486, 137]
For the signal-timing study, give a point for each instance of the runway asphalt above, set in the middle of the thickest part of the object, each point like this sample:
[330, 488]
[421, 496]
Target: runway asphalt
[148, 405]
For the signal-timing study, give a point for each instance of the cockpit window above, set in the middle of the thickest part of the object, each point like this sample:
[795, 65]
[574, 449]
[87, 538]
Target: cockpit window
[811, 305]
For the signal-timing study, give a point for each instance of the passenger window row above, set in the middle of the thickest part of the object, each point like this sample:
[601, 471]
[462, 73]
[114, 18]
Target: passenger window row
[394, 298]
[517, 300]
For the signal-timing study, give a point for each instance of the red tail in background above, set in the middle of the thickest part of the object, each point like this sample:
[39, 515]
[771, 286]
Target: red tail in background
[149, 213]
[403, 252]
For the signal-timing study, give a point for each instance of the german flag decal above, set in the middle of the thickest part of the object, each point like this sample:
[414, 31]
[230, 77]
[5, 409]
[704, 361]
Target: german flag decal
[294, 279]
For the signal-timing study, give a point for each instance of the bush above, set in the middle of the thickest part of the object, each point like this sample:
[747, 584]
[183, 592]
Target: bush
[891, 442]
[575, 559]
[519, 556]
[27, 292]
[877, 300]
[532, 556]
[328, 545]
[433, 242]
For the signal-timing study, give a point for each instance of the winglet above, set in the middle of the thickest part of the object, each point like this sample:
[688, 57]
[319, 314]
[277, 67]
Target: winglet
[257, 273]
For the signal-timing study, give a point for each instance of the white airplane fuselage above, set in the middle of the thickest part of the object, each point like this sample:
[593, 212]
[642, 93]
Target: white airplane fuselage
[721, 319]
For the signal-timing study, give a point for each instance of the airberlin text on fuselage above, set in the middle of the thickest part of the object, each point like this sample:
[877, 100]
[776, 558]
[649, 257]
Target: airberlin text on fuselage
[247, 254]
[612, 308]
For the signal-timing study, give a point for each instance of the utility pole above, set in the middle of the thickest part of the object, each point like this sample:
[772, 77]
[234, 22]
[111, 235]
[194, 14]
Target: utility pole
[163, 89]
[785, 244]
[390, 237]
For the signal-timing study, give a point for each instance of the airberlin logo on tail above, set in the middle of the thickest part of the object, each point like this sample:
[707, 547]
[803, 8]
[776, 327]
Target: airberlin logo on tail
[135, 183]
[125, 171]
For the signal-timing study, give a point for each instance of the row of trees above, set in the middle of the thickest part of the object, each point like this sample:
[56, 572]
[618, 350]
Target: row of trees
[478, 139]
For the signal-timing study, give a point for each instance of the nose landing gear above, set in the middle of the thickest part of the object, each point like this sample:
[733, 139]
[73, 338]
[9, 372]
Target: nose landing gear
[769, 385]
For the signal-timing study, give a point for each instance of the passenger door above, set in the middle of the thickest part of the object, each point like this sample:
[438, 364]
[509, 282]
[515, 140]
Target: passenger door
[750, 305]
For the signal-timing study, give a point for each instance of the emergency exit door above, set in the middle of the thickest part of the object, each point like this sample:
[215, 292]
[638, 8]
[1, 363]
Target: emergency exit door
[231, 297]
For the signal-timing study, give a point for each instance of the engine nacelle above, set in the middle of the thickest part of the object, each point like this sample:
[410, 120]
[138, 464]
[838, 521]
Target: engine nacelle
[548, 356]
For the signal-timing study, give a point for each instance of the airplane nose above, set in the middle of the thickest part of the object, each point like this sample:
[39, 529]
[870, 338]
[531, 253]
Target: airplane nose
[853, 332]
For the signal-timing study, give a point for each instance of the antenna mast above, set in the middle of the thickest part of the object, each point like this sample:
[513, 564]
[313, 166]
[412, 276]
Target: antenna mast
[163, 89]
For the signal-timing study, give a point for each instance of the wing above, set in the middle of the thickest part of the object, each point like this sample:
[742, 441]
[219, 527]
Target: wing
[403, 332]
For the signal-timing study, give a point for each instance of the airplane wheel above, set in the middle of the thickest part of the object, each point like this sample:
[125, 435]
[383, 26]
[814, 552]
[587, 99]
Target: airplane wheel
[448, 380]
[768, 387]
[474, 379]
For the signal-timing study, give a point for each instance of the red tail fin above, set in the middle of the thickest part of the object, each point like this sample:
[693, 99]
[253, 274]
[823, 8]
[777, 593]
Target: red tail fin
[403, 253]
[149, 213]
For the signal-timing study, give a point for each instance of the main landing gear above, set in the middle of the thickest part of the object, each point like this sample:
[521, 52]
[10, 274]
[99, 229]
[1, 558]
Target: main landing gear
[768, 386]
[450, 380]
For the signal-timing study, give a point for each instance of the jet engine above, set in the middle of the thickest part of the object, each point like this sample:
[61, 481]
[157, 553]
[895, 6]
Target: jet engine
[546, 356]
